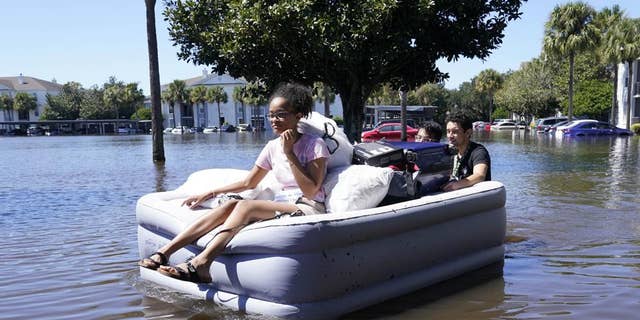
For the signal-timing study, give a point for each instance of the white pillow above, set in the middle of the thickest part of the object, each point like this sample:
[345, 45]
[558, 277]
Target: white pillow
[356, 187]
[339, 146]
[205, 180]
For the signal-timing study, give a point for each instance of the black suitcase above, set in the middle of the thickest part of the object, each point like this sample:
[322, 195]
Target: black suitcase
[428, 156]
[378, 154]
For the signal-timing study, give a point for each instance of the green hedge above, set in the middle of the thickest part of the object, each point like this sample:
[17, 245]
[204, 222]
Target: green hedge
[635, 128]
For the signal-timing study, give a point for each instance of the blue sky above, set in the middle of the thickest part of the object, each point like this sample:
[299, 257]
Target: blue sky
[89, 41]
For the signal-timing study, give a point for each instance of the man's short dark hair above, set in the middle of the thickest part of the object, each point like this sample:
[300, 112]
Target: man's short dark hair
[298, 97]
[461, 119]
[433, 129]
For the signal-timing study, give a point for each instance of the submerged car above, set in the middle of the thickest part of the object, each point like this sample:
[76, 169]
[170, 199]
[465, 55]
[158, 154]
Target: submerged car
[545, 123]
[594, 128]
[390, 132]
[504, 125]
[210, 129]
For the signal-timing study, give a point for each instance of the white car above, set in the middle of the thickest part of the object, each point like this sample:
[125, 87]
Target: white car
[167, 130]
[210, 129]
[559, 129]
[504, 125]
[183, 130]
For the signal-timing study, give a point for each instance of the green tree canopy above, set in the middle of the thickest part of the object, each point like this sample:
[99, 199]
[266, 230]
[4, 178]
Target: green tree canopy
[6, 105]
[468, 100]
[142, 114]
[593, 98]
[529, 91]
[488, 82]
[350, 45]
[23, 102]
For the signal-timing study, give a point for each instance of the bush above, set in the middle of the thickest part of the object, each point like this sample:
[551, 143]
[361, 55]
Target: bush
[635, 128]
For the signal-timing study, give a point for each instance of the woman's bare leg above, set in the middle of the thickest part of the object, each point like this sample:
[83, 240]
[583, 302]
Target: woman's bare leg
[194, 231]
[245, 211]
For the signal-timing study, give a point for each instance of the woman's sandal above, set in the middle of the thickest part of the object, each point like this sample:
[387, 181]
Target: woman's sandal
[153, 264]
[190, 274]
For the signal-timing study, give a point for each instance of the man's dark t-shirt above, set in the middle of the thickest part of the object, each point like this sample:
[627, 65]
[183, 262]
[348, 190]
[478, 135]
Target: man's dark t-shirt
[475, 154]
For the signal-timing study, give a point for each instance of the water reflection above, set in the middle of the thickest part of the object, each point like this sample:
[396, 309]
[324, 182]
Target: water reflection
[160, 175]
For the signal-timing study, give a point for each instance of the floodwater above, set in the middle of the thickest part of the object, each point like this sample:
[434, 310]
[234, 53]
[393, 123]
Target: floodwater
[67, 220]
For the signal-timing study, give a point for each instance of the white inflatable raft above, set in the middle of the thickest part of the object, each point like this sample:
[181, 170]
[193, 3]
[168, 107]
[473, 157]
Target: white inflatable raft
[328, 265]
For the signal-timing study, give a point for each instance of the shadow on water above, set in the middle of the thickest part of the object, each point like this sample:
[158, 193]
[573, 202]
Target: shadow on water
[483, 290]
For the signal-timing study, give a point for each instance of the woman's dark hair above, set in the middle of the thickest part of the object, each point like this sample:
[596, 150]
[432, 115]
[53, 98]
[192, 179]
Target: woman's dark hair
[460, 118]
[298, 97]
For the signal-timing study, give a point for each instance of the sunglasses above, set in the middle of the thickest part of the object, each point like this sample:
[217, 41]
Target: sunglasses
[280, 115]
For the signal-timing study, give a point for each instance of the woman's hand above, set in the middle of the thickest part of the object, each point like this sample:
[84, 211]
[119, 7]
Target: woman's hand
[288, 138]
[195, 201]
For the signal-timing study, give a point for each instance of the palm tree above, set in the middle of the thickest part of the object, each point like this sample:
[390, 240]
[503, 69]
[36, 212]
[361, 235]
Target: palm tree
[625, 38]
[198, 95]
[217, 94]
[488, 82]
[154, 76]
[255, 95]
[568, 32]
[177, 93]
[167, 98]
[608, 51]
[238, 96]
[6, 104]
[114, 95]
[24, 102]
[323, 93]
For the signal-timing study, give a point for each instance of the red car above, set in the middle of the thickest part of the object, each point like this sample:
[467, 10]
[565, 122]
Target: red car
[389, 131]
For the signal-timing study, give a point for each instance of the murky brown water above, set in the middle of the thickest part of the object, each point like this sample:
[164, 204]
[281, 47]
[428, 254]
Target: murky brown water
[69, 239]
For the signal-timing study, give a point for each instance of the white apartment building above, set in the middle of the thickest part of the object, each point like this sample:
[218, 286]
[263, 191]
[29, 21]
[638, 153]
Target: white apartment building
[232, 112]
[623, 93]
[37, 87]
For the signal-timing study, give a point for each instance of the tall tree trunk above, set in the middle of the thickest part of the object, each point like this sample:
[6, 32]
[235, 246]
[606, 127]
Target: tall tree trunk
[614, 97]
[403, 114]
[490, 108]
[571, 58]
[629, 95]
[154, 77]
[353, 110]
[219, 115]
[327, 103]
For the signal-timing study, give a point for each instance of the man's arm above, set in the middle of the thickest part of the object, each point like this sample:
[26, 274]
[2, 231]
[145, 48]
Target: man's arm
[479, 174]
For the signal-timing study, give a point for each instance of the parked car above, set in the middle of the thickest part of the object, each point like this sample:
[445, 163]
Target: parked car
[410, 122]
[183, 130]
[390, 132]
[228, 128]
[211, 129]
[594, 128]
[167, 130]
[244, 127]
[478, 125]
[504, 125]
[544, 123]
[554, 127]
[35, 131]
[572, 123]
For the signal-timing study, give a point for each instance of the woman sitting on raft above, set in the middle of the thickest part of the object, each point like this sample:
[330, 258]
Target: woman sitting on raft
[299, 164]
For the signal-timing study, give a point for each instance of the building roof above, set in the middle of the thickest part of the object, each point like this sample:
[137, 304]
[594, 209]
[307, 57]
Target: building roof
[209, 79]
[397, 108]
[25, 83]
